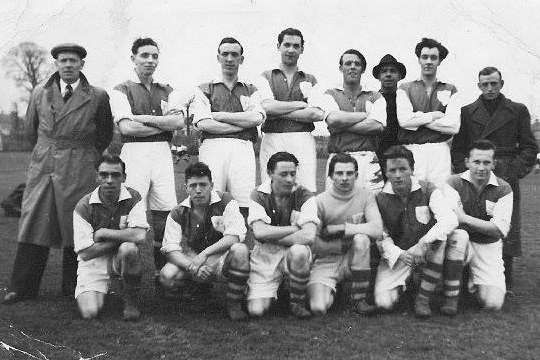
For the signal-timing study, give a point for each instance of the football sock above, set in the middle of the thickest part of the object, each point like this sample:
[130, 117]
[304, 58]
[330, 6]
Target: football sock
[236, 284]
[298, 284]
[359, 284]
[431, 275]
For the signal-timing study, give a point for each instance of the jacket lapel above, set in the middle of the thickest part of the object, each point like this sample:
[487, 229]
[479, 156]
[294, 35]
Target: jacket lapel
[479, 114]
[501, 116]
[80, 97]
[57, 102]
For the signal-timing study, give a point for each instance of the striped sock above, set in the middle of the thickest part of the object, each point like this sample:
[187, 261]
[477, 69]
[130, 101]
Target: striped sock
[359, 284]
[236, 284]
[453, 271]
[431, 275]
[298, 284]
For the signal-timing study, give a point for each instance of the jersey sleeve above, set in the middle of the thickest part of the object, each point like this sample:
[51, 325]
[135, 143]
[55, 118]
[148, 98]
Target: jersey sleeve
[83, 232]
[257, 212]
[233, 220]
[172, 236]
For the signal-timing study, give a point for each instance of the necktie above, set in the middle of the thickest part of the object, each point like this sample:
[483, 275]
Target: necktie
[68, 93]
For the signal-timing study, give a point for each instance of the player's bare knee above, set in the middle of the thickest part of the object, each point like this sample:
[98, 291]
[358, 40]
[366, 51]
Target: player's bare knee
[318, 307]
[298, 256]
[128, 250]
[256, 308]
[239, 256]
[361, 243]
[385, 300]
[458, 239]
[492, 302]
[167, 276]
[89, 312]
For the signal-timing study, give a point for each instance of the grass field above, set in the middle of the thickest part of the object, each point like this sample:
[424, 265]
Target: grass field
[49, 328]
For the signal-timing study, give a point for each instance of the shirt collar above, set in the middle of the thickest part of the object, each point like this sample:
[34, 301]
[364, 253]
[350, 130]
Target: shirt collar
[124, 195]
[219, 80]
[64, 84]
[415, 185]
[437, 81]
[214, 198]
[466, 175]
[135, 78]
[298, 69]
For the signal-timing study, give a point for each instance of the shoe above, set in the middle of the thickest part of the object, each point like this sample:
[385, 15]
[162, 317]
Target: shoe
[235, 312]
[13, 297]
[363, 308]
[421, 307]
[300, 311]
[450, 306]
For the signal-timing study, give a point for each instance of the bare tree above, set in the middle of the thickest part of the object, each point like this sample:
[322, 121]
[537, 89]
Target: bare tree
[27, 65]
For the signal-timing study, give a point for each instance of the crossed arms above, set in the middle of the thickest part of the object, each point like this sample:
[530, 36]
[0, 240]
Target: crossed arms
[301, 231]
[147, 125]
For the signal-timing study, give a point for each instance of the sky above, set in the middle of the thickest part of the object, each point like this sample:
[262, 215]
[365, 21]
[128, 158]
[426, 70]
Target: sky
[478, 33]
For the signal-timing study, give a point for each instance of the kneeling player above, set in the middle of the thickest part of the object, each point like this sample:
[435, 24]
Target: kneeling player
[483, 204]
[283, 216]
[349, 220]
[417, 220]
[202, 240]
[109, 224]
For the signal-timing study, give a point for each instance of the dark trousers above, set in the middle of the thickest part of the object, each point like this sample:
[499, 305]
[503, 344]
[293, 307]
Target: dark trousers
[29, 266]
[508, 271]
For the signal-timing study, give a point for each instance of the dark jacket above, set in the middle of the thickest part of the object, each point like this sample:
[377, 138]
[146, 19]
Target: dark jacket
[509, 128]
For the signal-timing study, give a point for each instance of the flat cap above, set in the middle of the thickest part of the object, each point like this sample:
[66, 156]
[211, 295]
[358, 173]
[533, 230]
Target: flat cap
[68, 47]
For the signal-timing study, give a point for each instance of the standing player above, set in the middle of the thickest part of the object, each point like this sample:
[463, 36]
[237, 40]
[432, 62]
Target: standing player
[350, 220]
[69, 123]
[284, 220]
[109, 224]
[284, 92]
[508, 125]
[389, 71]
[428, 113]
[483, 204]
[417, 220]
[147, 117]
[356, 120]
[227, 113]
[203, 238]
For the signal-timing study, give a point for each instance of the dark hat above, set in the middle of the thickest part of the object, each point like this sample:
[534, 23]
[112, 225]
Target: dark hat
[68, 47]
[389, 60]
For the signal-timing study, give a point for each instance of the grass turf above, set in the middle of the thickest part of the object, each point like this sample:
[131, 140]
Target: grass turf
[196, 330]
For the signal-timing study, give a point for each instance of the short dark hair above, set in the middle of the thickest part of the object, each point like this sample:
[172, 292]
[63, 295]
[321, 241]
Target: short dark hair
[142, 42]
[431, 43]
[291, 32]
[280, 156]
[111, 159]
[488, 70]
[481, 144]
[357, 53]
[230, 40]
[341, 158]
[198, 169]
[397, 152]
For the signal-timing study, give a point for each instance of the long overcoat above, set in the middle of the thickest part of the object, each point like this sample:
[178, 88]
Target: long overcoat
[68, 138]
[510, 129]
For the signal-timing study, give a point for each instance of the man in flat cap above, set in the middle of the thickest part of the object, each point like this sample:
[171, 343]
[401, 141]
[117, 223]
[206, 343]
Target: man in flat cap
[428, 115]
[389, 71]
[70, 124]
